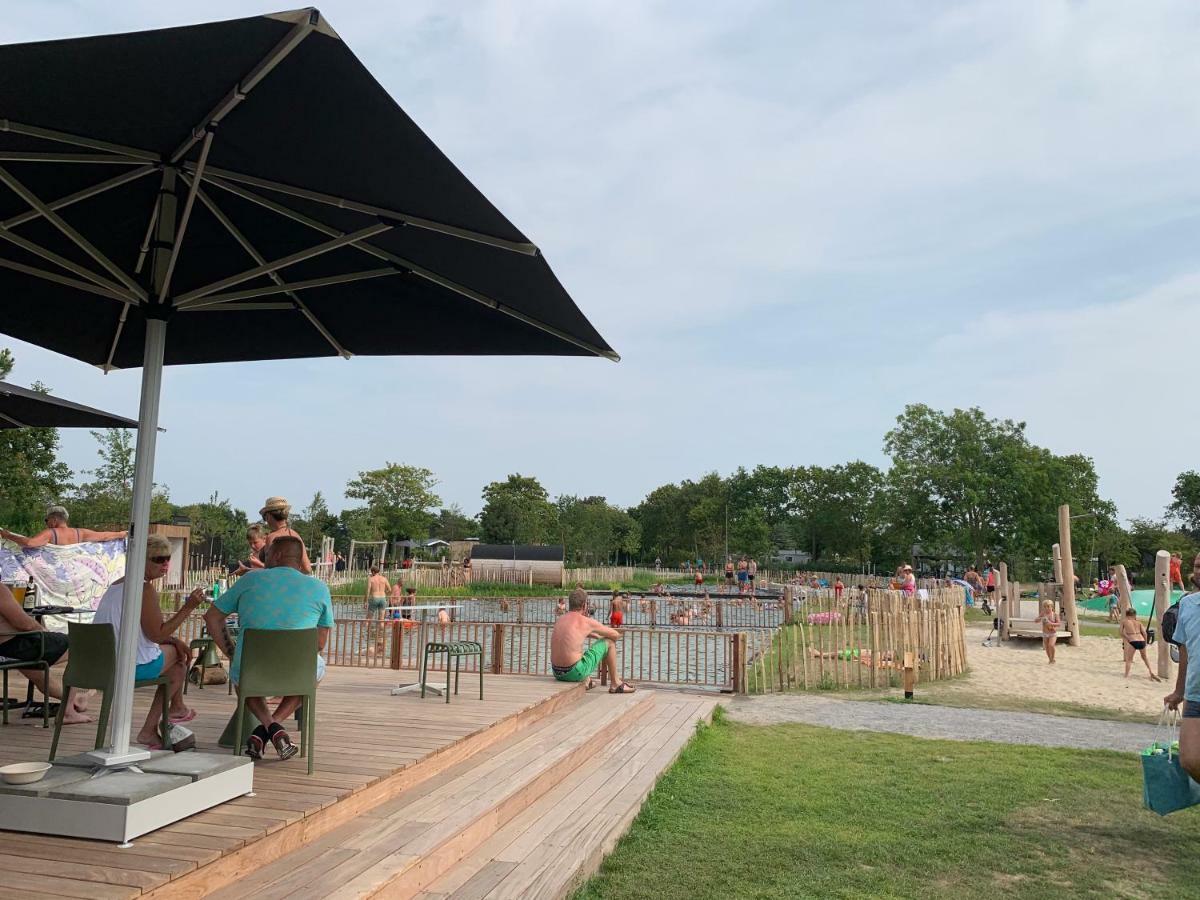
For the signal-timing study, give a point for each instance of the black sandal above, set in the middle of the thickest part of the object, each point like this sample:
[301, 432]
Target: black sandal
[623, 688]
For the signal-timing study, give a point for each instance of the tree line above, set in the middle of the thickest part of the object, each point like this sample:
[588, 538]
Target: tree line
[961, 487]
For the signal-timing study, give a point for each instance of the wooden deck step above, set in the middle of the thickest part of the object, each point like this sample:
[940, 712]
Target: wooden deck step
[550, 848]
[404, 844]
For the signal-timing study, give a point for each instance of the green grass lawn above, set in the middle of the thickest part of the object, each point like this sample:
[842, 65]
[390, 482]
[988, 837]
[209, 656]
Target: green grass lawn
[793, 811]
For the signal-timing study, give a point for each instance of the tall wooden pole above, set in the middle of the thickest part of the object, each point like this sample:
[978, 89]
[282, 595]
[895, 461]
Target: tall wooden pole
[1000, 598]
[1124, 595]
[1162, 599]
[1068, 573]
[1057, 565]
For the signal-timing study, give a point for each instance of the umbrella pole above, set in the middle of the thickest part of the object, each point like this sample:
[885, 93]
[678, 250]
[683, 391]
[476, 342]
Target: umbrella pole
[119, 753]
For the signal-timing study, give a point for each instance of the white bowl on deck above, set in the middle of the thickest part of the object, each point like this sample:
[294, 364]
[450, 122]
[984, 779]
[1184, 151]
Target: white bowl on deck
[24, 773]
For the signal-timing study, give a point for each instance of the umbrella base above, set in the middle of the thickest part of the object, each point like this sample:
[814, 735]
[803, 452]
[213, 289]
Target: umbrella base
[70, 802]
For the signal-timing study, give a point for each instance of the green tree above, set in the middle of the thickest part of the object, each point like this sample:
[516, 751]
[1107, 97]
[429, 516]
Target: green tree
[218, 528]
[399, 500]
[452, 524]
[31, 475]
[1185, 501]
[594, 531]
[518, 510]
[105, 501]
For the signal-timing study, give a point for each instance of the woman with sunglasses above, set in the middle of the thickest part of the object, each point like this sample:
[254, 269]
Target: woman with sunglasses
[158, 652]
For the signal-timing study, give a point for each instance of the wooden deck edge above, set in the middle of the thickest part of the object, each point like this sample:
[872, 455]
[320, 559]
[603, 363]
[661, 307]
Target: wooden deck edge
[233, 866]
[436, 863]
[591, 863]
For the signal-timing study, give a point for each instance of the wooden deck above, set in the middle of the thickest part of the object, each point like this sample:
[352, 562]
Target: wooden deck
[370, 747]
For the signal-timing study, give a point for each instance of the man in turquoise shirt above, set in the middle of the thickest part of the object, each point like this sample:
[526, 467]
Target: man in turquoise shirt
[1187, 684]
[277, 598]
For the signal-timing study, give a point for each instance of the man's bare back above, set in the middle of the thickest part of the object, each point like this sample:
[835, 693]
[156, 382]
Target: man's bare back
[570, 631]
[377, 586]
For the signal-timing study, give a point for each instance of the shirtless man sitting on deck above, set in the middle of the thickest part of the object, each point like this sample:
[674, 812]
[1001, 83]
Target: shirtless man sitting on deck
[568, 658]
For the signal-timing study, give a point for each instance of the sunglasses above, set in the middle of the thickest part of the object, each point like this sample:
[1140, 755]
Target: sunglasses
[160, 560]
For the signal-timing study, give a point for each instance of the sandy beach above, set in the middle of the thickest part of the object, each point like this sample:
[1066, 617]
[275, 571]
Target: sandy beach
[1091, 674]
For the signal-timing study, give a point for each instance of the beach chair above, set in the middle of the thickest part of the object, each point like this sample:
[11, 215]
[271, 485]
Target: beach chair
[92, 665]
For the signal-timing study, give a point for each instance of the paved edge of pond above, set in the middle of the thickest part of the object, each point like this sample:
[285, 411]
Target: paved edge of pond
[943, 722]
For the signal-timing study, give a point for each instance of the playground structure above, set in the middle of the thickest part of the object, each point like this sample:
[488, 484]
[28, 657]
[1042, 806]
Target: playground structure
[1013, 613]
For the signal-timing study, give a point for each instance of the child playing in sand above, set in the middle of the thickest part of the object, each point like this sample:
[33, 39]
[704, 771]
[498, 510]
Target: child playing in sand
[1134, 639]
[1050, 622]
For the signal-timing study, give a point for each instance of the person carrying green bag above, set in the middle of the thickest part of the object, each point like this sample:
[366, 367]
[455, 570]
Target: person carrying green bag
[1187, 684]
[1166, 786]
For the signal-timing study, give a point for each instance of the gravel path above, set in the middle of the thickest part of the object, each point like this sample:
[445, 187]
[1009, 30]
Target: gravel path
[945, 722]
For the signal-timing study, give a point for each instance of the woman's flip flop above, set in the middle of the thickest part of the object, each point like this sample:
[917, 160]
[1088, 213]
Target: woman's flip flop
[186, 717]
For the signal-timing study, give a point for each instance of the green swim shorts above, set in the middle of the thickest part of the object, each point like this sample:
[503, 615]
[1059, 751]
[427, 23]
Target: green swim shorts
[586, 665]
[377, 603]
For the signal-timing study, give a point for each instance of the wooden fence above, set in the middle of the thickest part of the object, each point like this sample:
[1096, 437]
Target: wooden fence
[834, 643]
[818, 641]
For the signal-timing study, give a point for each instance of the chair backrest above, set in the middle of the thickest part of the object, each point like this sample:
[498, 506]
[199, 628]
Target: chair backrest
[92, 657]
[278, 663]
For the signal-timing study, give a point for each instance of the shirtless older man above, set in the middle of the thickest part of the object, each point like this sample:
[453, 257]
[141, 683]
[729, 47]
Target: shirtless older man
[568, 658]
[57, 532]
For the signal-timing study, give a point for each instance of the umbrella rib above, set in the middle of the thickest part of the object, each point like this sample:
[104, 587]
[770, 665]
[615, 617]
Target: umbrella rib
[64, 137]
[183, 301]
[287, 287]
[107, 185]
[414, 268]
[342, 203]
[103, 291]
[29, 156]
[107, 287]
[238, 92]
[78, 239]
[181, 229]
[220, 216]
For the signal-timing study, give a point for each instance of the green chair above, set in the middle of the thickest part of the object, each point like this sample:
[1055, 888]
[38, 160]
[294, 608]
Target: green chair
[278, 663]
[7, 664]
[453, 650]
[92, 665]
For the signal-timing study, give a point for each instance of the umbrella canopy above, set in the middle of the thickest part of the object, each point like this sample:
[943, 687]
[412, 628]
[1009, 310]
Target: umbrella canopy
[312, 216]
[23, 408]
[243, 190]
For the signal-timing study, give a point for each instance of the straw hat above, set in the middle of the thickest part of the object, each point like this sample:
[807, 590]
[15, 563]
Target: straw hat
[276, 505]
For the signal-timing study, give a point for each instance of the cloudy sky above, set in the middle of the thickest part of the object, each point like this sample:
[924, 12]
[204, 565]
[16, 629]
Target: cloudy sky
[791, 219]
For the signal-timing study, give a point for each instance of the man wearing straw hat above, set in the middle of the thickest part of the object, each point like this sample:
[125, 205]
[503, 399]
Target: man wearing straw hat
[275, 513]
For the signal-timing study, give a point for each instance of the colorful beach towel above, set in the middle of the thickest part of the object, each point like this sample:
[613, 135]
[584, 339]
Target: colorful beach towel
[76, 575]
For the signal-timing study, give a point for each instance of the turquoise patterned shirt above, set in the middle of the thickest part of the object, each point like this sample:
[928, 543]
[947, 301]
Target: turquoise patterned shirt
[279, 599]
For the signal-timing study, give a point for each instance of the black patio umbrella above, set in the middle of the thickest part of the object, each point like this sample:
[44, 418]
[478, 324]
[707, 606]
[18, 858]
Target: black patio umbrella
[23, 408]
[244, 190]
